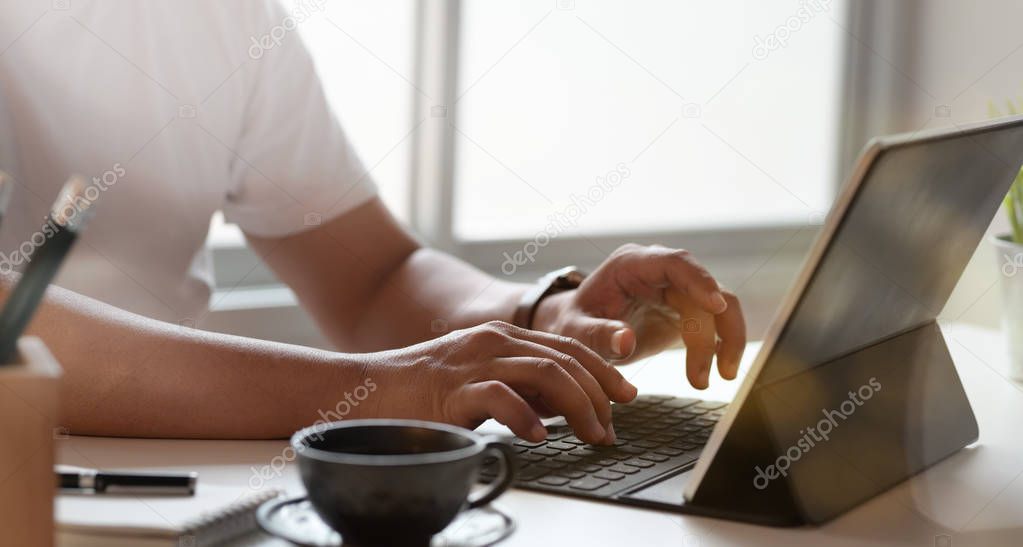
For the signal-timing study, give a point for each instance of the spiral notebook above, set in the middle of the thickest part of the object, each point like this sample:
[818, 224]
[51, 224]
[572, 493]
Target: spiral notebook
[214, 515]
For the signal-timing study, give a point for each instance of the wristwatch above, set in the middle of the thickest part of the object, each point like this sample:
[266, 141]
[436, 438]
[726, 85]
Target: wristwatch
[562, 280]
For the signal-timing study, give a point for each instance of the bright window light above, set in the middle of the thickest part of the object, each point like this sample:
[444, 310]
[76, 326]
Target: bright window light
[605, 116]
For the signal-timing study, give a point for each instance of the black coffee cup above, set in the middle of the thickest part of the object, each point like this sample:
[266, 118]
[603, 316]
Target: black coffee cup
[395, 482]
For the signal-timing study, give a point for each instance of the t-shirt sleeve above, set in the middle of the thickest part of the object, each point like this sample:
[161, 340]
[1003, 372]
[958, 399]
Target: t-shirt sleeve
[294, 168]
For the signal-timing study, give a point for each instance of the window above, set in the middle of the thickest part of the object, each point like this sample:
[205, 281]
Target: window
[584, 124]
[608, 117]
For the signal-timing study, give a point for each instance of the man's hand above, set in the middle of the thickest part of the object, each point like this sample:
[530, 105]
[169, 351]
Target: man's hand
[501, 371]
[642, 300]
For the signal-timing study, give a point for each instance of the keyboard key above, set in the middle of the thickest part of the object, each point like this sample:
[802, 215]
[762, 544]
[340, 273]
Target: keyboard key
[623, 469]
[558, 445]
[554, 481]
[669, 451]
[519, 449]
[546, 452]
[530, 457]
[638, 463]
[573, 440]
[584, 452]
[680, 402]
[662, 438]
[566, 458]
[588, 484]
[609, 475]
[618, 455]
[551, 464]
[711, 405]
[530, 473]
[588, 467]
[646, 444]
[632, 450]
[555, 433]
[529, 444]
[654, 457]
[657, 398]
[606, 462]
[571, 474]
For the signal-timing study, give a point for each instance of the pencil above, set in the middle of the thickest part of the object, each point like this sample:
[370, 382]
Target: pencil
[68, 216]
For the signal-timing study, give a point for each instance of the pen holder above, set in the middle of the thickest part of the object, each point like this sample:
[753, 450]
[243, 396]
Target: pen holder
[28, 418]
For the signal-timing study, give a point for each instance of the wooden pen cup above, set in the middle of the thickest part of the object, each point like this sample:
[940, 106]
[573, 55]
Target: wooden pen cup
[28, 428]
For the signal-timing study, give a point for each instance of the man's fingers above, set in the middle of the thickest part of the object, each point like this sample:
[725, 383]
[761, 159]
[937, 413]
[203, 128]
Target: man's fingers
[611, 339]
[698, 333]
[731, 328]
[610, 379]
[559, 390]
[687, 275]
[492, 399]
[660, 267]
[592, 389]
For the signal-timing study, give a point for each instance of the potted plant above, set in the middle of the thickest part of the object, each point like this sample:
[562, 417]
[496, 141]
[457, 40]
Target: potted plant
[1009, 251]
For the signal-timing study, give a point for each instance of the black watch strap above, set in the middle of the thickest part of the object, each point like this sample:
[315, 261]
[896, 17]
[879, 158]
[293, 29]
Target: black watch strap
[557, 281]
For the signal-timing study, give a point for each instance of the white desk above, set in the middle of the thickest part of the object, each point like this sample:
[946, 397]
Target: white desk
[976, 496]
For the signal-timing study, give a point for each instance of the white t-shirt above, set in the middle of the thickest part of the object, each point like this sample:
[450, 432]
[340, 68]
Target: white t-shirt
[172, 110]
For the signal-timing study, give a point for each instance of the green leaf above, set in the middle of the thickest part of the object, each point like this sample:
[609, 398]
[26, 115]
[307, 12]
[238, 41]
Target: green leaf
[1013, 202]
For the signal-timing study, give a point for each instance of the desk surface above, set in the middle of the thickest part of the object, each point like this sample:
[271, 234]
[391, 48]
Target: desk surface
[975, 497]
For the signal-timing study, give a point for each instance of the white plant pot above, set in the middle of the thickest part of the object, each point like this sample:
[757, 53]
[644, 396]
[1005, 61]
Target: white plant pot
[1010, 264]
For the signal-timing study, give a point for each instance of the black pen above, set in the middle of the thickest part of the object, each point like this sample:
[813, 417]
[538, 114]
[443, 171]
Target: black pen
[66, 219]
[92, 481]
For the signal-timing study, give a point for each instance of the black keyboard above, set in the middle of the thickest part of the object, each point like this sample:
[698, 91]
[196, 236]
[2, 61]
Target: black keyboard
[656, 434]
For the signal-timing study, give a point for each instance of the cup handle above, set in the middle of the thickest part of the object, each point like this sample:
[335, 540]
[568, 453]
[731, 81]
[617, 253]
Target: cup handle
[503, 480]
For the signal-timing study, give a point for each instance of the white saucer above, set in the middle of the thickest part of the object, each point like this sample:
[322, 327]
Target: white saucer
[296, 521]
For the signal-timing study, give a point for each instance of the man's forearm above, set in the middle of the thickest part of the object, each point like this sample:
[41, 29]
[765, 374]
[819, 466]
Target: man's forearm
[429, 294]
[371, 286]
[128, 375]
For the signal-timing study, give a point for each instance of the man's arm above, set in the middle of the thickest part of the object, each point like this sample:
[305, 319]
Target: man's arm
[371, 286]
[128, 375]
